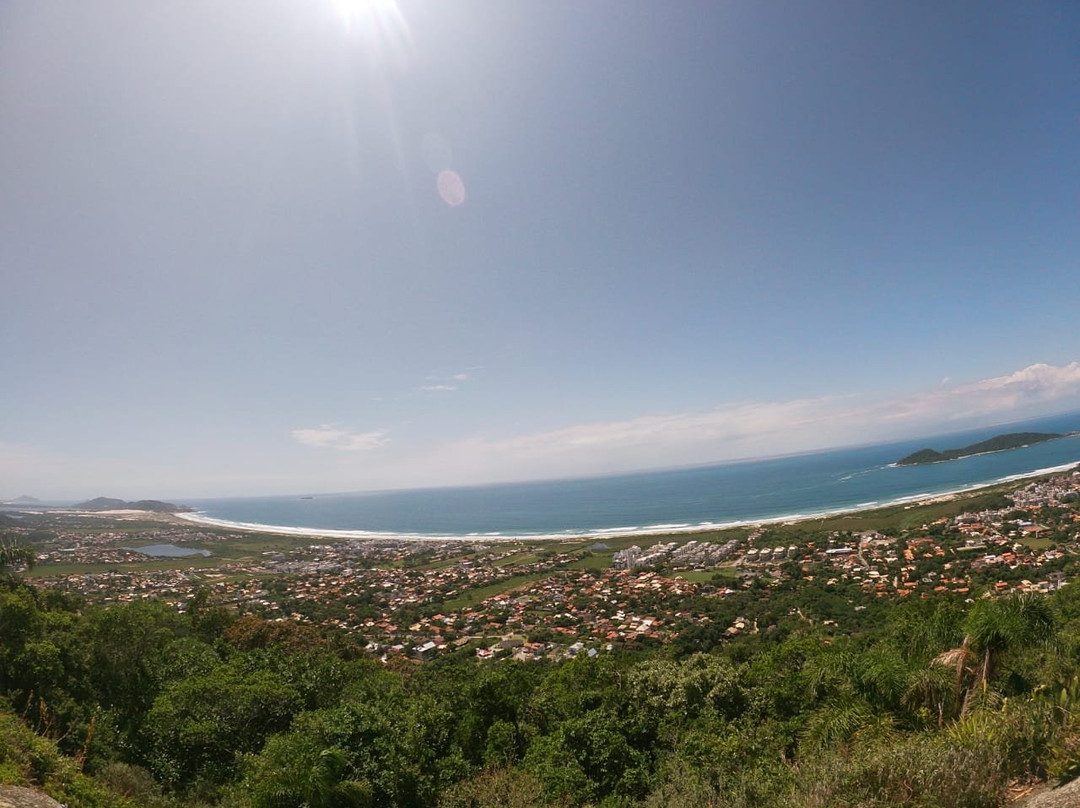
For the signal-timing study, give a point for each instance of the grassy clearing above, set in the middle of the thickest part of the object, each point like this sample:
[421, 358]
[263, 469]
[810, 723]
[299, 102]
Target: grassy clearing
[1037, 544]
[245, 545]
[517, 558]
[56, 570]
[695, 576]
[441, 563]
[475, 596]
[598, 561]
[706, 576]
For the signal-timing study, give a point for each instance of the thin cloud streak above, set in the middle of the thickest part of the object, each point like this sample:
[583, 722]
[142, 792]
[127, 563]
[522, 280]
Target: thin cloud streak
[445, 384]
[343, 459]
[329, 437]
[753, 428]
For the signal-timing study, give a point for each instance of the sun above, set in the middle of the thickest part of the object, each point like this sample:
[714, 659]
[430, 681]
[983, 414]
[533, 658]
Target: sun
[378, 26]
[363, 14]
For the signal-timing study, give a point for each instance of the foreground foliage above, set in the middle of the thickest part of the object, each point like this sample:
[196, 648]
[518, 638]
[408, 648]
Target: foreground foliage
[944, 704]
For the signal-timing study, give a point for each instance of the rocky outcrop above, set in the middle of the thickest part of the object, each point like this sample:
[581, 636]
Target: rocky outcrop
[1066, 796]
[19, 797]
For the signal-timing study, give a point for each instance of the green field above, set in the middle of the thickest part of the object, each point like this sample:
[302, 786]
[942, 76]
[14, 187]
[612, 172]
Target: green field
[705, 576]
[442, 563]
[516, 558]
[475, 596]
[695, 576]
[57, 570]
[1037, 544]
[596, 561]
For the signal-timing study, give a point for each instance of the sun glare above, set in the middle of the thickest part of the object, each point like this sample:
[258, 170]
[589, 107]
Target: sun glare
[365, 15]
[379, 25]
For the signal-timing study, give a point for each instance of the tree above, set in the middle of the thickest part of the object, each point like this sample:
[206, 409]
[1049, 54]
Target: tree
[495, 788]
[995, 627]
[295, 770]
[13, 554]
[687, 688]
[198, 725]
[125, 644]
[589, 758]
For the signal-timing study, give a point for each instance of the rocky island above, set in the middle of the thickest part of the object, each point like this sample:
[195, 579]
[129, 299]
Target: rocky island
[999, 443]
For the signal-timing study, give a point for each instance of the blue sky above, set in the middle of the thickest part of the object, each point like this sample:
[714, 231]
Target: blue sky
[284, 246]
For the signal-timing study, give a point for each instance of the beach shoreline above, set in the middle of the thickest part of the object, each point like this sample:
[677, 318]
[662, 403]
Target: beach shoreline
[688, 530]
[649, 531]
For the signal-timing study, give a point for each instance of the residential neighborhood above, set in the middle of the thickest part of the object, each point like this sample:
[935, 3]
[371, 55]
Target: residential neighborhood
[526, 601]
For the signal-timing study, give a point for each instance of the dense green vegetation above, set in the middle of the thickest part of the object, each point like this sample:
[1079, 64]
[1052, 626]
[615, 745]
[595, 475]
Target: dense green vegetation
[999, 443]
[930, 703]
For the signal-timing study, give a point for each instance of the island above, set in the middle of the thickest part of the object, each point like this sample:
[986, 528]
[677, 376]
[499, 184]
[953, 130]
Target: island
[111, 504]
[999, 443]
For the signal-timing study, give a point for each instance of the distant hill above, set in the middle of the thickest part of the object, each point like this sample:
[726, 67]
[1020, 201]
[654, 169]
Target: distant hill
[999, 443]
[110, 504]
[23, 500]
[102, 504]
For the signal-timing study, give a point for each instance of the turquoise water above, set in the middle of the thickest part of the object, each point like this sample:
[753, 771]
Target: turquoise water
[802, 485]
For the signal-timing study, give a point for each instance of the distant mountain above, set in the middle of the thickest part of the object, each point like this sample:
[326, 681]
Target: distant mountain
[999, 443]
[110, 504]
[101, 504]
[23, 500]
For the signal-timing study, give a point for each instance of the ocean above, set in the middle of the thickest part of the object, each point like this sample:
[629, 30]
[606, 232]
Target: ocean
[671, 500]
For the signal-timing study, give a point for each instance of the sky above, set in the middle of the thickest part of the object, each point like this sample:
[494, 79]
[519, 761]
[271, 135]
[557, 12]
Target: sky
[301, 246]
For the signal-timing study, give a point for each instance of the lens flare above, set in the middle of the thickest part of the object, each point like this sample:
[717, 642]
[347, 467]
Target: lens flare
[451, 188]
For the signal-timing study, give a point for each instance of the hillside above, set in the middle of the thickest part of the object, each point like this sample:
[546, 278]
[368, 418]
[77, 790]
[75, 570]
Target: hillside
[34, 771]
[999, 443]
[111, 504]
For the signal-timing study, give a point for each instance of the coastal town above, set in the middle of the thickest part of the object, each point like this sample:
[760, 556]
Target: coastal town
[556, 599]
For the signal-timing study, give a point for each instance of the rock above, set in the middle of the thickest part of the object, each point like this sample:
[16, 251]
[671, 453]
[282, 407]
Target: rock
[1066, 796]
[19, 797]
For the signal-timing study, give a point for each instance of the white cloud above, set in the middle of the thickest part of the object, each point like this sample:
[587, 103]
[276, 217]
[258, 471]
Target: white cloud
[752, 428]
[446, 384]
[1026, 392]
[329, 437]
[725, 432]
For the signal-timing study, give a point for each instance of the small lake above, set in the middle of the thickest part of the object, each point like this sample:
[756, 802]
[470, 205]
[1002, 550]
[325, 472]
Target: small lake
[168, 551]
